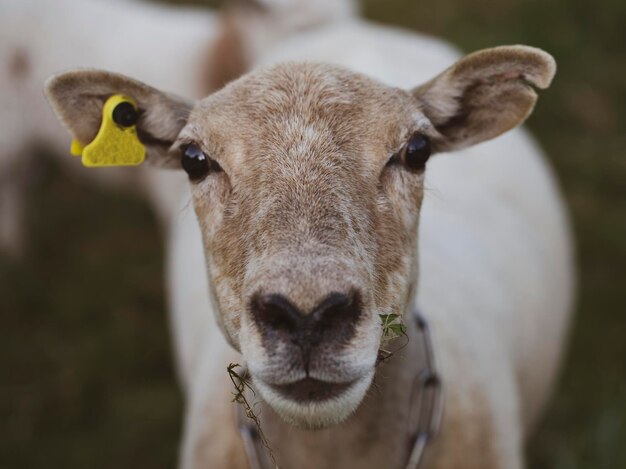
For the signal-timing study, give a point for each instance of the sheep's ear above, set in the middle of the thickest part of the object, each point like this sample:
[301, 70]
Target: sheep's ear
[79, 96]
[484, 94]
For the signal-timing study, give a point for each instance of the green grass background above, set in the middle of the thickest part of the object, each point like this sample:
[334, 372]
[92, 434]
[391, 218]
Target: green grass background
[87, 376]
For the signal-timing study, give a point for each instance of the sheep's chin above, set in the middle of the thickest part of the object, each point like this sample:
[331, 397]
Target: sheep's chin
[320, 414]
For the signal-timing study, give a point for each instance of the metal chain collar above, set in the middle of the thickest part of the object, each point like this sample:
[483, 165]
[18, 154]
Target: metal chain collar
[426, 405]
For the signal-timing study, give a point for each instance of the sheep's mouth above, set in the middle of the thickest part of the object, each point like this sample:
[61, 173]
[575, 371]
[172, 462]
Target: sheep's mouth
[311, 390]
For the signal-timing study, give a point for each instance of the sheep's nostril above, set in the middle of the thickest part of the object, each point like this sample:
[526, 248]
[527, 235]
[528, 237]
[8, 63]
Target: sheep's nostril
[275, 313]
[335, 318]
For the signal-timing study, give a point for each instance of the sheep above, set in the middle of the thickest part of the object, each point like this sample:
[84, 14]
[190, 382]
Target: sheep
[318, 209]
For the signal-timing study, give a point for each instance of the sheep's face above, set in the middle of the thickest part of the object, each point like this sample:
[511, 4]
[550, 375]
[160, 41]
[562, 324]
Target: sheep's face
[307, 182]
[309, 224]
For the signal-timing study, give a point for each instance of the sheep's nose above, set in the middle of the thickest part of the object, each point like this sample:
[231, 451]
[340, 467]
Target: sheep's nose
[333, 320]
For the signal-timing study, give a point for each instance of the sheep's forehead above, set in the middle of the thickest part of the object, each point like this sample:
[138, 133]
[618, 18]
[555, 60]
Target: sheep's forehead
[311, 114]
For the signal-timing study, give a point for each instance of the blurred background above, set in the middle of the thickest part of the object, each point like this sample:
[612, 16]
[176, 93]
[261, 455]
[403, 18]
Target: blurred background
[87, 375]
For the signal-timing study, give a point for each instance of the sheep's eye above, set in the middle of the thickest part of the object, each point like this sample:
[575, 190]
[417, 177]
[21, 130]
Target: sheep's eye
[417, 152]
[196, 163]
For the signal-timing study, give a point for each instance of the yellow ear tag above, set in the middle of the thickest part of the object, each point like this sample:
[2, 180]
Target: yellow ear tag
[116, 143]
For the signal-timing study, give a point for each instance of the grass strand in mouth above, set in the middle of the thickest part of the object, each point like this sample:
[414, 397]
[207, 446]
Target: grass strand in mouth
[240, 384]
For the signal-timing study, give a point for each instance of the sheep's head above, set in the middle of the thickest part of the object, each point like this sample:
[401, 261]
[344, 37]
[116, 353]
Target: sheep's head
[307, 181]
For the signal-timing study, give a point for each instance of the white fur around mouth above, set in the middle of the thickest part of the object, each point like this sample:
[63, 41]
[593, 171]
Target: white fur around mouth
[316, 413]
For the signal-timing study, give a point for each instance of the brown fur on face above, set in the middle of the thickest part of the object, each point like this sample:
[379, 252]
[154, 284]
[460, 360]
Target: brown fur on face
[306, 204]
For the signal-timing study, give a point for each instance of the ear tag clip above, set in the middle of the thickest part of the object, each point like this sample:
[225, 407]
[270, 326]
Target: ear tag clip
[116, 143]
